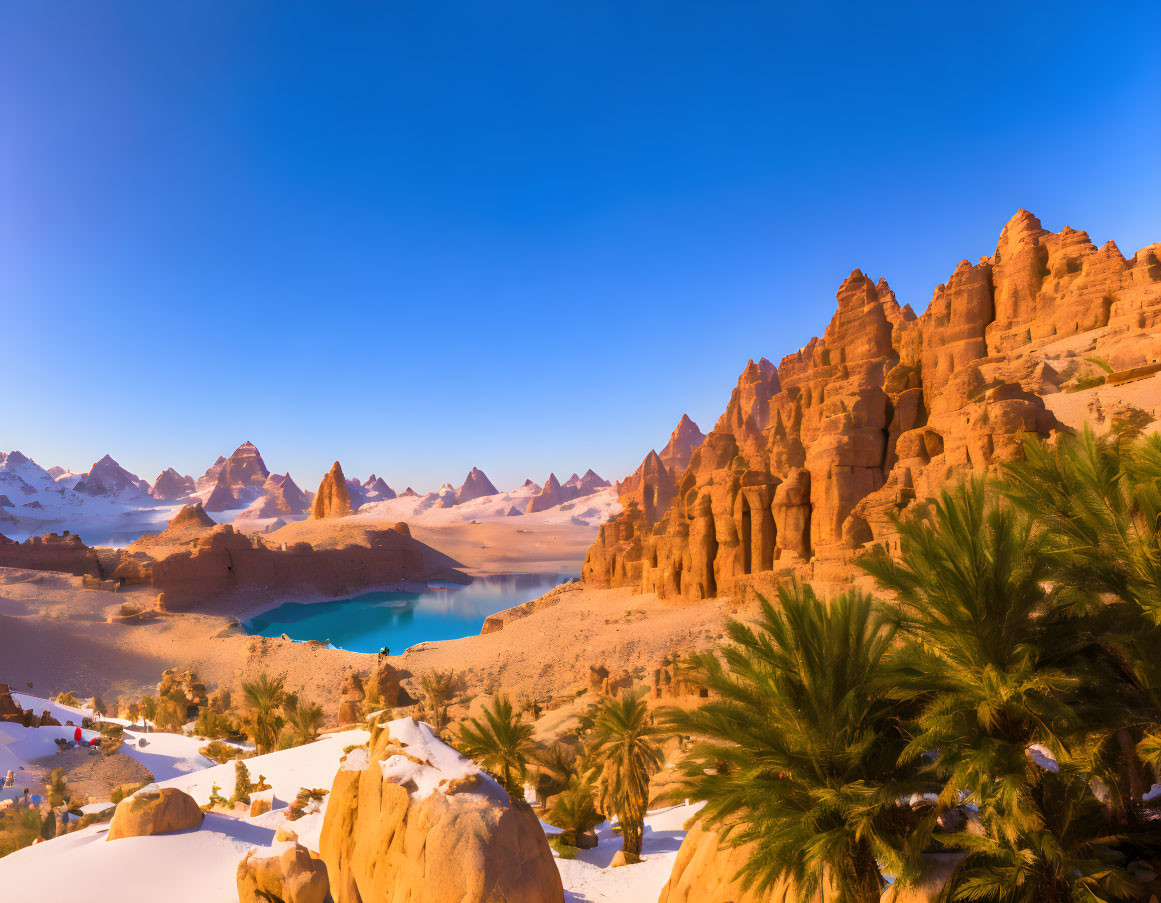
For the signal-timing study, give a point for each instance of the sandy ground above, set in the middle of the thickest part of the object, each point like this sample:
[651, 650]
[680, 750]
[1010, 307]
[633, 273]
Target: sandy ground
[1097, 406]
[57, 636]
[506, 548]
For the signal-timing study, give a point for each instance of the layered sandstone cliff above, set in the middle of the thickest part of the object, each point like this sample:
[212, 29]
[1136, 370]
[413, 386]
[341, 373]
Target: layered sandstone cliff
[812, 458]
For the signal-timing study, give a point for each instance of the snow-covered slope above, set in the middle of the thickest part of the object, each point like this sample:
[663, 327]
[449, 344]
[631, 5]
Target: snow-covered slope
[590, 510]
[115, 515]
[199, 866]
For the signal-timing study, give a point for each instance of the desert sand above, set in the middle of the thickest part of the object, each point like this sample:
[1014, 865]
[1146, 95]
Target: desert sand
[59, 636]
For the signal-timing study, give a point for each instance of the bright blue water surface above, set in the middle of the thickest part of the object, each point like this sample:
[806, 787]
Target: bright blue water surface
[398, 620]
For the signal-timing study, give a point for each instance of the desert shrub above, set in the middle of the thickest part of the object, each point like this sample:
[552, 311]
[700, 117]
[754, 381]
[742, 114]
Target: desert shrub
[216, 799]
[575, 813]
[243, 784]
[213, 725]
[112, 737]
[67, 698]
[57, 788]
[119, 793]
[19, 828]
[1129, 422]
[221, 752]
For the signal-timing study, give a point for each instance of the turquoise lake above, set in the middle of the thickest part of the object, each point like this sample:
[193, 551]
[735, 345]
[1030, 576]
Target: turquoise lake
[397, 620]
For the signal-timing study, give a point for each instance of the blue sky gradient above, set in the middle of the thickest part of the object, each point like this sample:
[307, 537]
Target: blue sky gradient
[526, 236]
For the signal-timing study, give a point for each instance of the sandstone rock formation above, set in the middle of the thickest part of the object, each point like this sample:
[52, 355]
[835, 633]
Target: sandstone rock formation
[351, 697]
[812, 458]
[159, 812]
[705, 869]
[476, 485]
[107, 477]
[652, 486]
[411, 819]
[291, 874]
[333, 498]
[171, 485]
[195, 561]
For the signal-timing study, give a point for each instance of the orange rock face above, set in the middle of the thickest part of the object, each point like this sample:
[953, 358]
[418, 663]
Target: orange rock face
[812, 458]
[333, 498]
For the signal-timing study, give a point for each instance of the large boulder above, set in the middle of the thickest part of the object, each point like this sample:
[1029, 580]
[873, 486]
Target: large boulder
[287, 872]
[411, 819]
[705, 870]
[159, 812]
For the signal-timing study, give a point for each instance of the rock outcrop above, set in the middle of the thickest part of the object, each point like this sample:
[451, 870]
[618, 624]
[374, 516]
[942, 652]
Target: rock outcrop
[705, 870]
[811, 459]
[159, 812]
[171, 486]
[411, 819]
[333, 498]
[290, 873]
[476, 485]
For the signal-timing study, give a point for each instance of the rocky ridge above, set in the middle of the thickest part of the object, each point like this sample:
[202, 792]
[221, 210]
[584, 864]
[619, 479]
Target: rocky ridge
[812, 458]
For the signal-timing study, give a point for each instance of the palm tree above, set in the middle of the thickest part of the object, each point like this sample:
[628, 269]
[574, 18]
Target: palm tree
[574, 812]
[303, 721]
[557, 766]
[263, 698]
[501, 743]
[623, 751]
[995, 663]
[1099, 503]
[797, 753]
[439, 688]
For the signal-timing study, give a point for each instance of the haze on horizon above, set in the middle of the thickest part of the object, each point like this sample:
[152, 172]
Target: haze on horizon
[526, 237]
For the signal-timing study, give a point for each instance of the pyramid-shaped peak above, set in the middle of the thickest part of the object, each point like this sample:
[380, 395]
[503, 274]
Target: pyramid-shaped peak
[476, 485]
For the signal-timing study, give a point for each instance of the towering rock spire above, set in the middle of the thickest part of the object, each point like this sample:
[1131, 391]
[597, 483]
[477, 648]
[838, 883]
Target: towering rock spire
[333, 498]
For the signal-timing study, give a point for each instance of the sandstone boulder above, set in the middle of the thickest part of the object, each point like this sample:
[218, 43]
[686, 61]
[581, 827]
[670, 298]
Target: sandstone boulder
[159, 812]
[705, 870]
[287, 872]
[411, 819]
[351, 697]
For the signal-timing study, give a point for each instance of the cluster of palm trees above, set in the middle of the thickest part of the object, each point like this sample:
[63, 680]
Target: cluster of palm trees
[1009, 684]
[271, 716]
[606, 778]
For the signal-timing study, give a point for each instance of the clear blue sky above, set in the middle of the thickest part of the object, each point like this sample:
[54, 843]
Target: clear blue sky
[526, 236]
